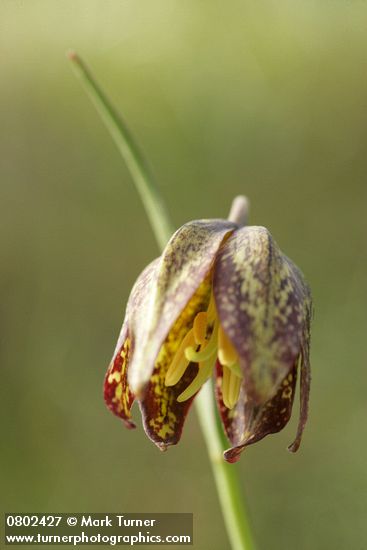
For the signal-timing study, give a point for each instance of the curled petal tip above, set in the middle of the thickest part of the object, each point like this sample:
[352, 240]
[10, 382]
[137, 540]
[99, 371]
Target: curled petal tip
[129, 424]
[232, 455]
[293, 448]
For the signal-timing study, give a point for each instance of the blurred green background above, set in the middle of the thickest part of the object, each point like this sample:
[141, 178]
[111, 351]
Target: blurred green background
[266, 98]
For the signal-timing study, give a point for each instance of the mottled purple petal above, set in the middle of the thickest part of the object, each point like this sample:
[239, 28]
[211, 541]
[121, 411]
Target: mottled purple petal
[163, 415]
[117, 394]
[185, 262]
[262, 302]
[247, 423]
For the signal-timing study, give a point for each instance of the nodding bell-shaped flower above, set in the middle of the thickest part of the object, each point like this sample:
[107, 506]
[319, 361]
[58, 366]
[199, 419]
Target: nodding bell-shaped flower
[221, 300]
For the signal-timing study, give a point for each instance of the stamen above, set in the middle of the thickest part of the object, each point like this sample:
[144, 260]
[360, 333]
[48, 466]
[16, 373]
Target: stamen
[227, 355]
[200, 326]
[212, 311]
[206, 352]
[196, 348]
[179, 363]
[204, 373]
[231, 385]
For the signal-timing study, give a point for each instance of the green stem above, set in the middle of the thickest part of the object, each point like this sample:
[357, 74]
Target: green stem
[226, 475]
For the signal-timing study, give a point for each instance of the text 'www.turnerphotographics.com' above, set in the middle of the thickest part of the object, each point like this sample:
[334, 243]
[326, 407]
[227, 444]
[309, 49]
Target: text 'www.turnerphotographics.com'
[111, 529]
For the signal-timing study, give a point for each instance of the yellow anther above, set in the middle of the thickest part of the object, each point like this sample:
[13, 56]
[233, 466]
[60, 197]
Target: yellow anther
[231, 385]
[200, 326]
[179, 363]
[204, 373]
[227, 355]
[205, 352]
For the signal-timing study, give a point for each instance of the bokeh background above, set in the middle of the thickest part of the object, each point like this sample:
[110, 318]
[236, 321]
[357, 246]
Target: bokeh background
[266, 98]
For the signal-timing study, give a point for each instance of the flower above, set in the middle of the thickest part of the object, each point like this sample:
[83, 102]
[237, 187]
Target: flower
[220, 299]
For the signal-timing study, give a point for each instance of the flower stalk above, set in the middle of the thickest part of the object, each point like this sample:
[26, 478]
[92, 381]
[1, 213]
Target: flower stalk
[225, 474]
